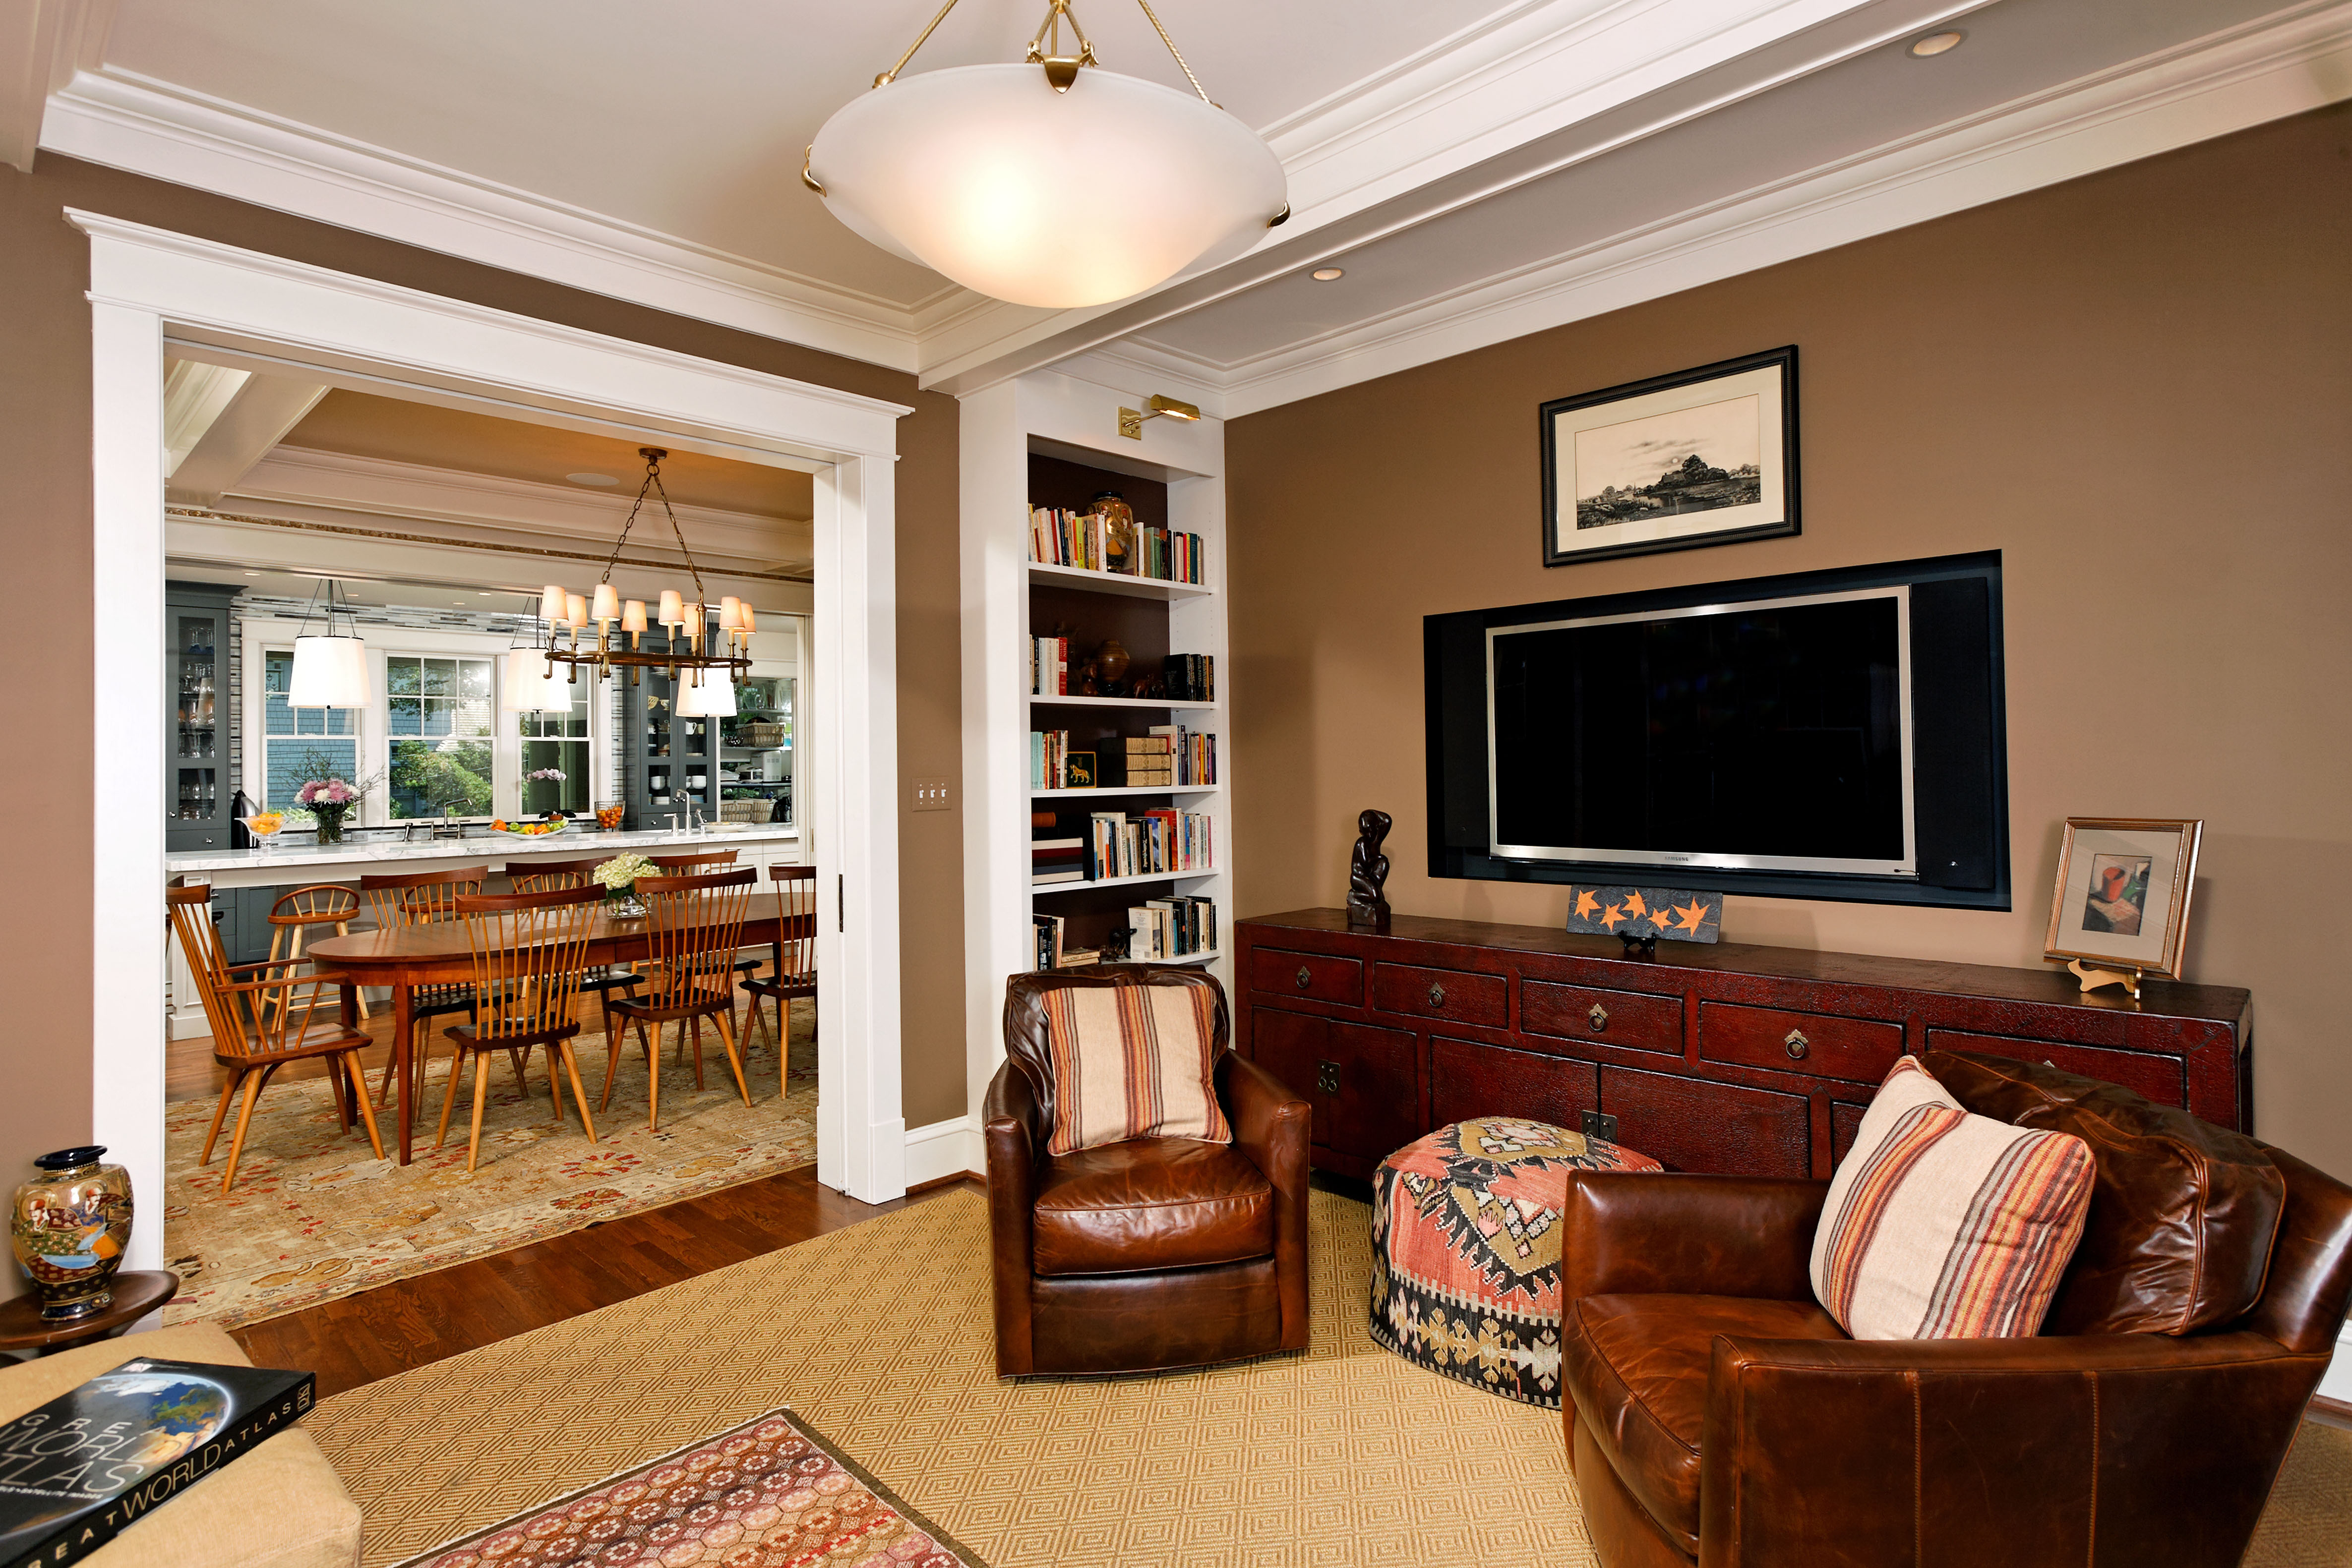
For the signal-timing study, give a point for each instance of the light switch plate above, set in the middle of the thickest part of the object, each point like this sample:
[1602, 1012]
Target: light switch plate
[929, 795]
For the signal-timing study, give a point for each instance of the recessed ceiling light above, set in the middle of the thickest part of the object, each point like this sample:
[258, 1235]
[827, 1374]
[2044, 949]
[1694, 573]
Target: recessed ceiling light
[1329, 274]
[1934, 44]
[591, 478]
[253, 574]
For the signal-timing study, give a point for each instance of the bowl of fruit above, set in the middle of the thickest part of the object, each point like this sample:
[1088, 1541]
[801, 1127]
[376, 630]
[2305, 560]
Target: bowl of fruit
[555, 823]
[264, 825]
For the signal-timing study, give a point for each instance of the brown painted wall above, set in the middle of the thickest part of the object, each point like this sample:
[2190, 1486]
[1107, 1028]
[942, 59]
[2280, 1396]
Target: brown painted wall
[2137, 385]
[45, 434]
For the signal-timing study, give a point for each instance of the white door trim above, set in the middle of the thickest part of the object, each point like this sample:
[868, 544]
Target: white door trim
[147, 284]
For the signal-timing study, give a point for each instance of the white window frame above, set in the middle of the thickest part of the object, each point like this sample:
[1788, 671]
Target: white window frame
[263, 637]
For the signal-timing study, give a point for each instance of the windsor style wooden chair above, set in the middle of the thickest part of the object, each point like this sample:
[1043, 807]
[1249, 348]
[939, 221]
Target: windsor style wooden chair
[259, 1025]
[702, 863]
[795, 959]
[299, 909]
[398, 899]
[693, 927]
[543, 876]
[531, 952]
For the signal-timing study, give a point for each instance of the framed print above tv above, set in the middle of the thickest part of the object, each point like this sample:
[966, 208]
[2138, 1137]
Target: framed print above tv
[2122, 898]
[1702, 456]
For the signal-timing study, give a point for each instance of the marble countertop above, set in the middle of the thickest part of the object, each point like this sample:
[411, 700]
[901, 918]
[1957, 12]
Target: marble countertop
[303, 860]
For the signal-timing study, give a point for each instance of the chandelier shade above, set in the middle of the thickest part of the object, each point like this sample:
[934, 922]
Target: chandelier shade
[329, 672]
[529, 687]
[1081, 195]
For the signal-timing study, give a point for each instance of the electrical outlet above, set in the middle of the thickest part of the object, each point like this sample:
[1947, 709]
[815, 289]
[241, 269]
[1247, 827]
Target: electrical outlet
[929, 795]
[1603, 1127]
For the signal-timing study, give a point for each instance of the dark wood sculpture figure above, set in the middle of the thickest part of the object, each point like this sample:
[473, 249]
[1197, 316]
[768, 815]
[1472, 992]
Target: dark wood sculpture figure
[1368, 873]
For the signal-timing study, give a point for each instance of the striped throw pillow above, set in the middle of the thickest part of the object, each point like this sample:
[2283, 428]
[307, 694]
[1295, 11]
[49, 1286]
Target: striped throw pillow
[1945, 1224]
[1132, 1062]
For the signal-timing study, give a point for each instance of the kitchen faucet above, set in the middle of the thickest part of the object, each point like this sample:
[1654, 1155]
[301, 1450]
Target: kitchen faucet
[692, 806]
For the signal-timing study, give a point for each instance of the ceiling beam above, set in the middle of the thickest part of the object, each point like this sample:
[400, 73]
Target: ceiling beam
[253, 418]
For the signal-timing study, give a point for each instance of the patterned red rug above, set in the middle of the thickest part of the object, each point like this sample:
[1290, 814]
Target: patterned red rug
[772, 1493]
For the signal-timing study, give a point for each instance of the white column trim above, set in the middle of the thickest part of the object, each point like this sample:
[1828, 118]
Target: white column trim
[146, 283]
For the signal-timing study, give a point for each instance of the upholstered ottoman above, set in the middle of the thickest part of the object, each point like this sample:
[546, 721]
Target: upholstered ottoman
[1465, 1250]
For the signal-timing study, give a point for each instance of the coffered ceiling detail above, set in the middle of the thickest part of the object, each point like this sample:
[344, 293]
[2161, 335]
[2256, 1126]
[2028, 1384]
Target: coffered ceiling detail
[1478, 170]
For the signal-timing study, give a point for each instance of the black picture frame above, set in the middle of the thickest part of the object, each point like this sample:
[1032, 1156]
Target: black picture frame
[1769, 376]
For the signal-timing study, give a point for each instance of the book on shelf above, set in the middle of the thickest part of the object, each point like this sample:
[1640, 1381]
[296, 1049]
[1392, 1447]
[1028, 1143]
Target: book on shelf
[1054, 953]
[78, 1470]
[1057, 859]
[1160, 842]
[1193, 677]
[1171, 928]
[1191, 757]
[1058, 538]
[1049, 666]
[1049, 759]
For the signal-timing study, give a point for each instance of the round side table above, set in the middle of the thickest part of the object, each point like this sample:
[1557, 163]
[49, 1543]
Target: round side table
[135, 1295]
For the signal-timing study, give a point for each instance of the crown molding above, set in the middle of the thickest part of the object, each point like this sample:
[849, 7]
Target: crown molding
[2226, 83]
[305, 485]
[45, 41]
[127, 122]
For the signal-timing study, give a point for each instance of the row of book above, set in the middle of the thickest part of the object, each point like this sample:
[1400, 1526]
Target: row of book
[1191, 678]
[1170, 757]
[1082, 540]
[1158, 929]
[1158, 843]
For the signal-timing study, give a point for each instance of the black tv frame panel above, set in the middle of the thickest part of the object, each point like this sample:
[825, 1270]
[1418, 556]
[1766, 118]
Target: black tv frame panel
[1959, 740]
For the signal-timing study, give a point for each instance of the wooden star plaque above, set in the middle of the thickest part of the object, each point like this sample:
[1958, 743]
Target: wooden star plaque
[1639, 914]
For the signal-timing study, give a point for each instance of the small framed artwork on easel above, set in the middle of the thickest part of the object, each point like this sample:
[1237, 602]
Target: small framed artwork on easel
[2120, 910]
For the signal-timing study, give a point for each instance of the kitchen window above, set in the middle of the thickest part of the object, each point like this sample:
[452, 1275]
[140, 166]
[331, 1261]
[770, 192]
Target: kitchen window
[300, 744]
[556, 743]
[440, 758]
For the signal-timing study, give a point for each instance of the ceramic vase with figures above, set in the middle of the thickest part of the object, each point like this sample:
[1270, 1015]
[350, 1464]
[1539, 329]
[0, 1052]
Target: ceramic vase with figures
[69, 1226]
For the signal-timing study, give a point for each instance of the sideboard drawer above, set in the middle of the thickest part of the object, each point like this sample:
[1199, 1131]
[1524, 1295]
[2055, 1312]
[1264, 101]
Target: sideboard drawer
[2161, 1078]
[1819, 1045]
[1456, 995]
[1317, 976]
[1359, 1082]
[1632, 1018]
[1467, 1080]
[1690, 1124]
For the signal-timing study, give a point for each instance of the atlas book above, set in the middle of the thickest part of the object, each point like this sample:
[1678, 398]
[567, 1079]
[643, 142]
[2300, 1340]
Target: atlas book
[78, 1470]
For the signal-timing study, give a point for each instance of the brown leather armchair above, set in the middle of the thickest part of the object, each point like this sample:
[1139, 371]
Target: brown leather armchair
[1153, 1253]
[1717, 1414]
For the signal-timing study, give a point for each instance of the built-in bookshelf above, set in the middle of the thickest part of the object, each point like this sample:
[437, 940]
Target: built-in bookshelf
[1051, 439]
[1166, 626]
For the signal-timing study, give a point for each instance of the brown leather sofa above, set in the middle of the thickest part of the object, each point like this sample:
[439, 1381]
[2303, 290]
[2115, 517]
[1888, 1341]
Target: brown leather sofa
[1717, 1414]
[1153, 1253]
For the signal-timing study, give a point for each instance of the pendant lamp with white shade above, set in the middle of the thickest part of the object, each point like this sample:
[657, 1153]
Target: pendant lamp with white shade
[331, 668]
[528, 682]
[1045, 183]
[711, 696]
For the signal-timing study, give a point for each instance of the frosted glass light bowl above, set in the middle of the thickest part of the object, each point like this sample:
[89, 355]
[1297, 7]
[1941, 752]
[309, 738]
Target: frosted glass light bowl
[987, 175]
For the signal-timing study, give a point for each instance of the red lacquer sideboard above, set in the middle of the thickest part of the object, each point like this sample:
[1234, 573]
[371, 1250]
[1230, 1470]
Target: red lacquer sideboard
[1712, 1058]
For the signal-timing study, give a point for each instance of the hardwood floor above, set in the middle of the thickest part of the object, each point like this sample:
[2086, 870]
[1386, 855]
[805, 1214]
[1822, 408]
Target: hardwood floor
[413, 1322]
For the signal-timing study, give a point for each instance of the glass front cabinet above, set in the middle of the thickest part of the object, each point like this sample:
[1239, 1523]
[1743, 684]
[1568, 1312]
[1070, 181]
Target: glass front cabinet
[672, 762]
[756, 753]
[198, 793]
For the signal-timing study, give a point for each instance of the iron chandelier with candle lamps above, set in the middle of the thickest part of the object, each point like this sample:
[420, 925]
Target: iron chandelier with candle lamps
[695, 652]
[1061, 185]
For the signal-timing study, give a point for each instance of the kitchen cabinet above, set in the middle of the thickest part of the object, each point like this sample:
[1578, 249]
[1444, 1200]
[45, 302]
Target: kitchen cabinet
[196, 731]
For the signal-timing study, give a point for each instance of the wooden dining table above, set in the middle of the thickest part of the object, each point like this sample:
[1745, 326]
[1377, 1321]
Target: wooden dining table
[441, 954]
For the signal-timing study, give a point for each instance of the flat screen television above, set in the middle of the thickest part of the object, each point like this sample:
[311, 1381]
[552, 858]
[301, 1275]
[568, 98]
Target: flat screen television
[1833, 735]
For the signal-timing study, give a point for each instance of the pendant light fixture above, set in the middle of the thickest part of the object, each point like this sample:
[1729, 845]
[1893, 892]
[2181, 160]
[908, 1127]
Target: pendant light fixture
[1051, 182]
[331, 668]
[530, 683]
[691, 646]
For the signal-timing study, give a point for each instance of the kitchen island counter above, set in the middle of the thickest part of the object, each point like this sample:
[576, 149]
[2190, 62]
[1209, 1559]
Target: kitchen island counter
[304, 862]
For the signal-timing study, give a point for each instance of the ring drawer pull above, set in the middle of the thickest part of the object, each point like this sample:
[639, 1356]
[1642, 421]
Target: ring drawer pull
[1599, 1017]
[1305, 978]
[1436, 995]
[1799, 1046]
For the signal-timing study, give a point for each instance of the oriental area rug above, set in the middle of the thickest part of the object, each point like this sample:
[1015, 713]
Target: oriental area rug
[879, 1336]
[314, 1215]
[771, 1492]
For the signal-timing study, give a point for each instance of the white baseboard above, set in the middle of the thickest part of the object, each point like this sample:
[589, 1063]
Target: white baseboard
[2337, 1384]
[951, 1149]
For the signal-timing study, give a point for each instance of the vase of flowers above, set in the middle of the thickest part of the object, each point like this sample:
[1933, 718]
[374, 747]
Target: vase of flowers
[618, 878]
[329, 800]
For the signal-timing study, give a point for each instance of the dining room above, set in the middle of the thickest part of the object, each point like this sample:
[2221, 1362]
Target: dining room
[493, 787]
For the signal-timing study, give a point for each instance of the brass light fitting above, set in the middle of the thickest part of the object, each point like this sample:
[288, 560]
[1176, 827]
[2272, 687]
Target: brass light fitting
[1131, 419]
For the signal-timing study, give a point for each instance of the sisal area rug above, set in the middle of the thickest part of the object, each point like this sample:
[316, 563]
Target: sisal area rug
[313, 1215]
[771, 1492]
[1345, 1456]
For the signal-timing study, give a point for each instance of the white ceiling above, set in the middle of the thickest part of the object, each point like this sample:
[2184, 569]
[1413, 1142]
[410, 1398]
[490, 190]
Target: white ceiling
[1480, 170]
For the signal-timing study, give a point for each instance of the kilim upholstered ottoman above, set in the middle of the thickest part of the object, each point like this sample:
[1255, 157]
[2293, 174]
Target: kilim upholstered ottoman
[1465, 1250]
